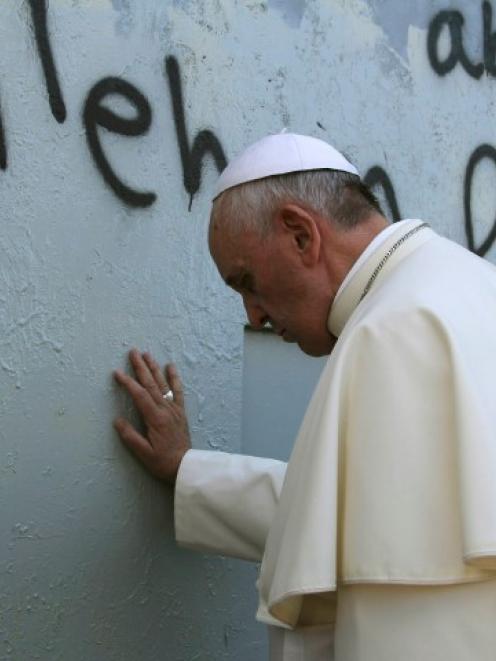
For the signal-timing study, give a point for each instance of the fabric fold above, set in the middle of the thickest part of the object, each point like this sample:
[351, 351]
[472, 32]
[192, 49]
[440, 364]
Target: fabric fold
[407, 497]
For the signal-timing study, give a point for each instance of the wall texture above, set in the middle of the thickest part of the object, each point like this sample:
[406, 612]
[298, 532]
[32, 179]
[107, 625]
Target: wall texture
[115, 117]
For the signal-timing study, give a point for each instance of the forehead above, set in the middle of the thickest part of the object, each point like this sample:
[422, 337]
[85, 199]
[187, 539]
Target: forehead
[233, 252]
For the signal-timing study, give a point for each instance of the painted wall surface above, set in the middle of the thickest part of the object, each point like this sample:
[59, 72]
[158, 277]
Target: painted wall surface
[278, 381]
[115, 117]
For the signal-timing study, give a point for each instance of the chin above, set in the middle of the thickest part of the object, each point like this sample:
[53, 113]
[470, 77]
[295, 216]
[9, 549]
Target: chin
[317, 350]
[315, 353]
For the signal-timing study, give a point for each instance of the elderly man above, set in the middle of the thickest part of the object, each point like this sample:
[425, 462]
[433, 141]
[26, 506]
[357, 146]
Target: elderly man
[378, 540]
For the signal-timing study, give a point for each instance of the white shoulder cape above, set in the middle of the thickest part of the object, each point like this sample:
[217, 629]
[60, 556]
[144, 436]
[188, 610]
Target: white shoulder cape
[393, 475]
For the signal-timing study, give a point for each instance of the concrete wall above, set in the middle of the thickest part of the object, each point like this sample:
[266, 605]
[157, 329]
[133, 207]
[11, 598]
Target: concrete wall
[115, 118]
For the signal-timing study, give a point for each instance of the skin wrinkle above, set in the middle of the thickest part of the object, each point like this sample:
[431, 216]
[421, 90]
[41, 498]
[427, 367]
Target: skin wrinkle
[289, 276]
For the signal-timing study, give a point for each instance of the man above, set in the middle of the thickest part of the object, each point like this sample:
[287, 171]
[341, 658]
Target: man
[381, 531]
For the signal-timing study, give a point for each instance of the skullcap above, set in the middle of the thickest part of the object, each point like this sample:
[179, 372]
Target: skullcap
[281, 153]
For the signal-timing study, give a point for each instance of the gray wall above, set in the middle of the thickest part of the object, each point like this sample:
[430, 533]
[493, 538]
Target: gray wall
[102, 247]
[278, 380]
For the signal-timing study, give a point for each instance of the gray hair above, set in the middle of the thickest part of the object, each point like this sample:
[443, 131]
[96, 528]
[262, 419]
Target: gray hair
[339, 196]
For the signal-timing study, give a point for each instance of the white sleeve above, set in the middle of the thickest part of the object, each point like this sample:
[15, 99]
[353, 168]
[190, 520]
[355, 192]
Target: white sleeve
[224, 503]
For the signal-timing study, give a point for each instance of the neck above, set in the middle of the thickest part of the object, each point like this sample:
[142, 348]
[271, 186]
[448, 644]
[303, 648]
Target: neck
[344, 246]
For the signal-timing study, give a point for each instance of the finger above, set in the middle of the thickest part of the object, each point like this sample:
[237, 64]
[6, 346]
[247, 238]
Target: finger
[133, 440]
[175, 384]
[157, 374]
[140, 396]
[144, 375]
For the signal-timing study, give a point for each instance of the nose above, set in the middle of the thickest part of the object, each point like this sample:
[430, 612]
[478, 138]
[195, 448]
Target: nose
[257, 316]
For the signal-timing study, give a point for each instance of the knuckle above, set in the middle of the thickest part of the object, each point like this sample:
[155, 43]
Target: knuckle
[163, 416]
[141, 395]
[125, 432]
[125, 381]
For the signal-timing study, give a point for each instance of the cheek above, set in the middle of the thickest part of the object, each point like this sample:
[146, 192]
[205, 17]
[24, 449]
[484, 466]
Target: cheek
[282, 297]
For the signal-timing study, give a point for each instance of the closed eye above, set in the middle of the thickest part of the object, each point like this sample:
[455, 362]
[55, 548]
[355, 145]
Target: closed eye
[247, 284]
[242, 283]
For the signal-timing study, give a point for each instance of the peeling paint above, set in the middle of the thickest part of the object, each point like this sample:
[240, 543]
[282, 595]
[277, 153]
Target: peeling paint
[397, 18]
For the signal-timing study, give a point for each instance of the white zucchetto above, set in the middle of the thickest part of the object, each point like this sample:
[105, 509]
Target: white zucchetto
[281, 153]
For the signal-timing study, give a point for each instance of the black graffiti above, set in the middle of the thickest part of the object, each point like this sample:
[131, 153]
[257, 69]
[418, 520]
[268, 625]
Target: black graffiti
[489, 39]
[95, 114]
[454, 21]
[483, 151]
[205, 141]
[3, 145]
[377, 176]
[39, 19]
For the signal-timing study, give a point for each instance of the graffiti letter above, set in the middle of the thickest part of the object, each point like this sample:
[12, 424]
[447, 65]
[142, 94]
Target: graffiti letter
[95, 114]
[489, 39]
[3, 146]
[204, 142]
[39, 16]
[454, 21]
[376, 175]
[483, 151]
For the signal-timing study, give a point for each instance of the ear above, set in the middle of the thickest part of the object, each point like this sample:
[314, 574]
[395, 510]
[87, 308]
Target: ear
[302, 229]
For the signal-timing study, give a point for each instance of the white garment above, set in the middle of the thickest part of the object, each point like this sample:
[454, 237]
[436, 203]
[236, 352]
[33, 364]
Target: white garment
[405, 500]
[301, 645]
[224, 504]
[374, 622]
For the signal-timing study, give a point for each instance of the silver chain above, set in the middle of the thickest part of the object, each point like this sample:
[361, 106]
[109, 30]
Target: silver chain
[391, 250]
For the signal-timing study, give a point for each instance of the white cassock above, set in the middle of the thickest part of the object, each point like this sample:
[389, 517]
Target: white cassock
[381, 530]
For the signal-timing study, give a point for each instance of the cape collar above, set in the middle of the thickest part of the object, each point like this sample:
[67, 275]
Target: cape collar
[388, 248]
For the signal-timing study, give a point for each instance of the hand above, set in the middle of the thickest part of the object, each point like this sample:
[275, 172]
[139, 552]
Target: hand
[167, 437]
